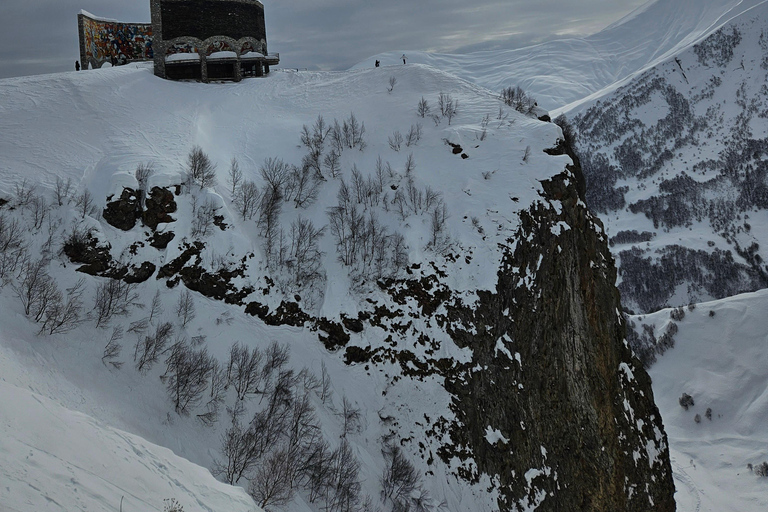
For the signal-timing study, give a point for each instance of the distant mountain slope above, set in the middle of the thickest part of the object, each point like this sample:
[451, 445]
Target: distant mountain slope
[676, 165]
[719, 358]
[558, 73]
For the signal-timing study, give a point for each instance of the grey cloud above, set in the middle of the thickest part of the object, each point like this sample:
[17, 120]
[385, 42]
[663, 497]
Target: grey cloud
[40, 36]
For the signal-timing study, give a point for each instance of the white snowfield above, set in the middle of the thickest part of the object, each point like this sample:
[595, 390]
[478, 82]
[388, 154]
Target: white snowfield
[565, 72]
[55, 459]
[721, 360]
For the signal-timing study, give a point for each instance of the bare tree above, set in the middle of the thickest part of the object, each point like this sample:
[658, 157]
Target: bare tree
[302, 186]
[305, 251]
[200, 169]
[396, 140]
[85, 204]
[275, 173]
[62, 189]
[235, 175]
[202, 219]
[185, 307]
[392, 83]
[62, 314]
[410, 166]
[113, 348]
[156, 306]
[246, 199]
[518, 99]
[244, 370]
[423, 108]
[24, 192]
[331, 164]
[12, 247]
[414, 135]
[186, 377]
[399, 480]
[350, 416]
[114, 298]
[149, 348]
[271, 483]
[40, 211]
[269, 215]
[142, 174]
[33, 285]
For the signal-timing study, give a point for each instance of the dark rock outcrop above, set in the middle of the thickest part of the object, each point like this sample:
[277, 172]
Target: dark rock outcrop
[158, 207]
[123, 212]
[553, 402]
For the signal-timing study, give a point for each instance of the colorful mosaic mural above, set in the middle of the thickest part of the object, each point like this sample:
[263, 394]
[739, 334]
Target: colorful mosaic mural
[104, 40]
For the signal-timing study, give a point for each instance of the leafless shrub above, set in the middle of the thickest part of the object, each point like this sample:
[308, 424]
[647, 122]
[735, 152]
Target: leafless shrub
[350, 416]
[414, 135]
[186, 377]
[114, 298]
[149, 348]
[269, 214]
[244, 370]
[396, 140]
[85, 204]
[392, 83]
[143, 173]
[202, 219]
[518, 99]
[305, 253]
[200, 169]
[235, 175]
[185, 307]
[113, 348]
[64, 313]
[686, 401]
[331, 164]
[423, 108]
[62, 190]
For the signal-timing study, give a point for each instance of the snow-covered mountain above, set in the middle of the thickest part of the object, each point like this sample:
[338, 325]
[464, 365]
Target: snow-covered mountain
[571, 71]
[381, 304]
[455, 318]
[675, 163]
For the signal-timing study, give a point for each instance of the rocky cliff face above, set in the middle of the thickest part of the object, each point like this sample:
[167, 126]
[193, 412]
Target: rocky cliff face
[553, 402]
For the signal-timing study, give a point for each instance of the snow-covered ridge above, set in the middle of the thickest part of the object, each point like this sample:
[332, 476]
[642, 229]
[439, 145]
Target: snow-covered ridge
[561, 72]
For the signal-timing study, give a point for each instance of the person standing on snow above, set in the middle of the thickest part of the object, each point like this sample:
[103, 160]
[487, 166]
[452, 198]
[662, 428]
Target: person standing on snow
[403, 57]
[77, 65]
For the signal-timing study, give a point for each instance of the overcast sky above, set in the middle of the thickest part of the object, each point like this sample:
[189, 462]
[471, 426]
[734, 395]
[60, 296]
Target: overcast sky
[40, 36]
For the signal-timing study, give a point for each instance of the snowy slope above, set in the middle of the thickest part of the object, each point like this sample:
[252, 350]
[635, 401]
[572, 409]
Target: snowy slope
[56, 459]
[95, 128]
[561, 72]
[675, 162]
[719, 358]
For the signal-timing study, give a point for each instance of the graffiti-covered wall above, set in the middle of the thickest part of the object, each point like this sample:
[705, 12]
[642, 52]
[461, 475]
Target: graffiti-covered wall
[102, 40]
